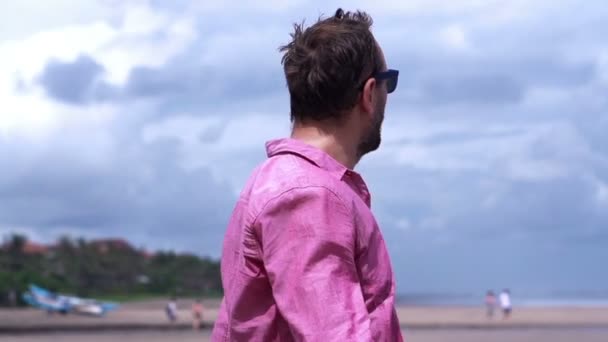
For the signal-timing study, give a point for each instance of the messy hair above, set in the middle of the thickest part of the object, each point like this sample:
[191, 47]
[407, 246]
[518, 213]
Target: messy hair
[325, 64]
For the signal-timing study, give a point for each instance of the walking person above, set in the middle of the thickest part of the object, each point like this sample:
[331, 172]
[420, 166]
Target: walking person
[490, 301]
[197, 314]
[171, 310]
[303, 257]
[505, 303]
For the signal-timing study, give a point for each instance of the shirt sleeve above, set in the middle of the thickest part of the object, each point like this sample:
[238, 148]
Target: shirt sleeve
[308, 242]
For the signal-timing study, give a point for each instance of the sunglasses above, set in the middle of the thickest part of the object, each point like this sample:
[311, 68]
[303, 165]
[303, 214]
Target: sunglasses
[391, 77]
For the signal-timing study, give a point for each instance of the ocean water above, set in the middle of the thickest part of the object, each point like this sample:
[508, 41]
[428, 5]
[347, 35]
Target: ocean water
[582, 299]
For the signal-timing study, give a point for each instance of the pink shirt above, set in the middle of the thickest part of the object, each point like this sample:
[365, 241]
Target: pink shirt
[303, 257]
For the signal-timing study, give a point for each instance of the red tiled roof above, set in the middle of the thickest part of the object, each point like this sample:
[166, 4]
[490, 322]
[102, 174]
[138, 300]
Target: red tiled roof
[103, 245]
[35, 248]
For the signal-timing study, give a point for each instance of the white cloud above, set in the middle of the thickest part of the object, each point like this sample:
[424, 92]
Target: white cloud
[147, 38]
[20, 19]
[233, 138]
[227, 48]
[27, 57]
[403, 224]
[515, 151]
[30, 112]
[143, 20]
[602, 67]
[185, 128]
[487, 13]
[245, 6]
[475, 146]
[601, 191]
[535, 170]
[131, 42]
[432, 223]
[541, 97]
[432, 6]
[454, 36]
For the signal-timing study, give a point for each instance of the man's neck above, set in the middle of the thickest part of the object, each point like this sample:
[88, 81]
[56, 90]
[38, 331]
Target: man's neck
[330, 140]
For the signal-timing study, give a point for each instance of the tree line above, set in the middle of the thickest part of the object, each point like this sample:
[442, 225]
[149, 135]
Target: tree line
[106, 269]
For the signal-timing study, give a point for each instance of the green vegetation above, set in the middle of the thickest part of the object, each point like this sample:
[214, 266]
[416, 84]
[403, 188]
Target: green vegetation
[105, 269]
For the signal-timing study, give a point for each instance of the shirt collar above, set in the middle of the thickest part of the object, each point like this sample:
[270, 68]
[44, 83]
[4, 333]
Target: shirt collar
[313, 154]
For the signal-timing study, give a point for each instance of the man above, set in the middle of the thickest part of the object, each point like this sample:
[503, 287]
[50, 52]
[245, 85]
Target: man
[490, 301]
[171, 310]
[505, 303]
[197, 314]
[303, 257]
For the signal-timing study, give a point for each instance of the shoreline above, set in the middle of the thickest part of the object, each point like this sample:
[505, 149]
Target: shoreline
[103, 329]
[409, 335]
[149, 316]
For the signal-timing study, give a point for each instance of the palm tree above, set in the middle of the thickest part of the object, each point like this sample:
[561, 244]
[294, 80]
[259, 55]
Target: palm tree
[15, 252]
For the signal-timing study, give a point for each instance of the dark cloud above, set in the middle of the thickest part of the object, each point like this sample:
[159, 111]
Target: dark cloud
[529, 227]
[71, 81]
[460, 137]
[487, 204]
[590, 118]
[549, 70]
[173, 85]
[431, 80]
[141, 193]
[483, 89]
[213, 133]
[539, 209]
[499, 75]
[195, 85]
[150, 82]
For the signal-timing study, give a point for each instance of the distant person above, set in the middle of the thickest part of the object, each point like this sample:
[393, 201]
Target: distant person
[505, 303]
[490, 302]
[12, 298]
[197, 314]
[171, 310]
[303, 257]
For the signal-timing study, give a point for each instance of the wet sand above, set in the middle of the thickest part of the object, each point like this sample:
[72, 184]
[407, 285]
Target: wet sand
[524, 335]
[474, 317]
[443, 335]
[129, 316]
[146, 322]
[150, 315]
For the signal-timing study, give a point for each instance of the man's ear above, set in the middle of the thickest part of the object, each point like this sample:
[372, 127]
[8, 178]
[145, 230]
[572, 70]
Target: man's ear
[368, 96]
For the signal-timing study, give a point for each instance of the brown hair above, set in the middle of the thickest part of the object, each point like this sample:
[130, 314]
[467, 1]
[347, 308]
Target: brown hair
[325, 64]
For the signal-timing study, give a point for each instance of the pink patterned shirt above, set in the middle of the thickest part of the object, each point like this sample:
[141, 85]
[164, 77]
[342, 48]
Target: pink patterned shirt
[303, 257]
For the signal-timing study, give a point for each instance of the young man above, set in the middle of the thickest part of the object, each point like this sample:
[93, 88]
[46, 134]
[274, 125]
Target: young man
[505, 303]
[303, 257]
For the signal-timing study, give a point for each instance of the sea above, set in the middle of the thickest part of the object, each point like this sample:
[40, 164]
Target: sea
[530, 299]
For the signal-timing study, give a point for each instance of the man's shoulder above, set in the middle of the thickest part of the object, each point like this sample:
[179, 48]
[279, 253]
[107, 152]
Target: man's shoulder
[287, 173]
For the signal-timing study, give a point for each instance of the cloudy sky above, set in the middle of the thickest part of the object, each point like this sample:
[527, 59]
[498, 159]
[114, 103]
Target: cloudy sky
[143, 119]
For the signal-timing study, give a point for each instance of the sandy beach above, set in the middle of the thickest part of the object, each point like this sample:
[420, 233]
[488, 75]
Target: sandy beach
[474, 317]
[441, 335]
[145, 321]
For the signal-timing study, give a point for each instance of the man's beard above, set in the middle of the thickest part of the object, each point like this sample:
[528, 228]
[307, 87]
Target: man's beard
[371, 141]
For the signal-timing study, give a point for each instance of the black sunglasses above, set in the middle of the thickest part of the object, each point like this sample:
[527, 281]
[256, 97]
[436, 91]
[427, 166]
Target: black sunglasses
[391, 76]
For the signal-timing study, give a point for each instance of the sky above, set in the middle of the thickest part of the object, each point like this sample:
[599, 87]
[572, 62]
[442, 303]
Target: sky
[143, 120]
